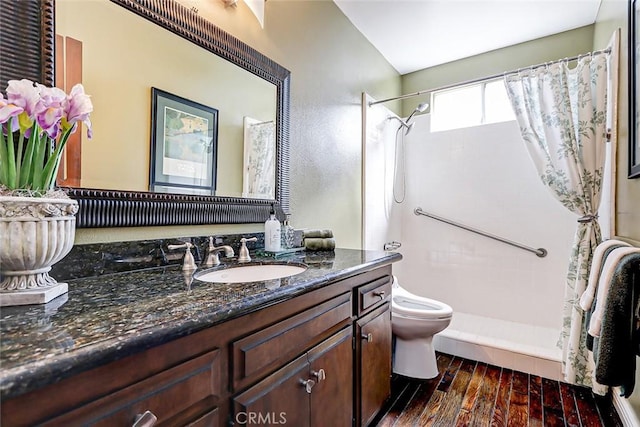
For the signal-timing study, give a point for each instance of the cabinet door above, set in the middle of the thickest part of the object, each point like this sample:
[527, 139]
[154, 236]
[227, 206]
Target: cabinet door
[374, 367]
[259, 353]
[331, 366]
[281, 398]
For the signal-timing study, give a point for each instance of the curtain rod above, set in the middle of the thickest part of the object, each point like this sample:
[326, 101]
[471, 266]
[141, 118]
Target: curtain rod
[494, 76]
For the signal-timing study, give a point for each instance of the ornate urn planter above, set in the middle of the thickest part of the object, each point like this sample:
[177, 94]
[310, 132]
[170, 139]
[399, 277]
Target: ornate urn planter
[35, 233]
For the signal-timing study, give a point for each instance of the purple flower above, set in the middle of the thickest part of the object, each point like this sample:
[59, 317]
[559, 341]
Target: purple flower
[45, 117]
[8, 110]
[50, 110]
[23, 94]
[77, 108]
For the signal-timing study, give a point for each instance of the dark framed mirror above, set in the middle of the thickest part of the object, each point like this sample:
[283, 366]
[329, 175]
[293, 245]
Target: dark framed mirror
[34, 39]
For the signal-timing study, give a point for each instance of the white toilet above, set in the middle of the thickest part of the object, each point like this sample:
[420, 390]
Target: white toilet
[414, 321]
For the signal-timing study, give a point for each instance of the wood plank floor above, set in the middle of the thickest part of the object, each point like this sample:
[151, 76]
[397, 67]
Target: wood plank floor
[469, 393]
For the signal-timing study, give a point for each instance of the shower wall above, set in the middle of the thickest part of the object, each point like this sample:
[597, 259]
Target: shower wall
[381, 222]
[481, 177]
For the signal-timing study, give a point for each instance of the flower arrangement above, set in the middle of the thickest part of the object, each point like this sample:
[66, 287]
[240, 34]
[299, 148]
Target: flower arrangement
[41, 118]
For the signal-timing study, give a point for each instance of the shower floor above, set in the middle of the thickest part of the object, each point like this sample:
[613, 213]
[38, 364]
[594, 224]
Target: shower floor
[526, 348]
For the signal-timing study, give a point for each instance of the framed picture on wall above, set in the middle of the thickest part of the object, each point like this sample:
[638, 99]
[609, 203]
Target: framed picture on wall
[634, 89]
[183, 145]
[259, 166]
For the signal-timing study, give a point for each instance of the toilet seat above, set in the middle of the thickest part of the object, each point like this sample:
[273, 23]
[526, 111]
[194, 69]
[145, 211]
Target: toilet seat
[406, 304]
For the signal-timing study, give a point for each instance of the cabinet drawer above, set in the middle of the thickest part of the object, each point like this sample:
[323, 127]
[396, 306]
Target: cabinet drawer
[261, 352]
[373, 294]
[181, 395]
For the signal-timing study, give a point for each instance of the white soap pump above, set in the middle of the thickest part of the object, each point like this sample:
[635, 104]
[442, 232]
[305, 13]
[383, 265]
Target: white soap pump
[272, 232]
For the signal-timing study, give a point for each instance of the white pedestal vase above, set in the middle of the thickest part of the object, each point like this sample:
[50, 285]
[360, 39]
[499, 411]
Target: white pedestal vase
[35, 233]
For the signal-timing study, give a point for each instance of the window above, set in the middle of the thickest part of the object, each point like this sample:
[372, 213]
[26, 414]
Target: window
[470, 105]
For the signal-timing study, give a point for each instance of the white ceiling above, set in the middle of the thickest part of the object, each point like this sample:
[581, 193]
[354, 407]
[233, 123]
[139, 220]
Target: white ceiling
[417, 34]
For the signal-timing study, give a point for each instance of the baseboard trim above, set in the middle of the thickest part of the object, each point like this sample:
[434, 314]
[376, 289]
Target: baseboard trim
[625, 410]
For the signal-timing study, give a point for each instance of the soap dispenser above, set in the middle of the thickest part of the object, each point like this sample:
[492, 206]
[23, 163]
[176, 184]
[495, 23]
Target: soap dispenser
[288, 233]
[272, 232]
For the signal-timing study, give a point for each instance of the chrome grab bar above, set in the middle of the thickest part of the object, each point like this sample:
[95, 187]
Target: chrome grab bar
[540, 252]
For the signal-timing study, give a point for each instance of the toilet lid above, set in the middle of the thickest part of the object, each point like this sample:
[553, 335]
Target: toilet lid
[423, 308]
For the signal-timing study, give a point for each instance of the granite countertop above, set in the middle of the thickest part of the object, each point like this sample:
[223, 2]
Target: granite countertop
[108, 317]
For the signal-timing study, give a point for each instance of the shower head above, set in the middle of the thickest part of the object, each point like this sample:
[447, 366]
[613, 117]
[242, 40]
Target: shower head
[419, 109]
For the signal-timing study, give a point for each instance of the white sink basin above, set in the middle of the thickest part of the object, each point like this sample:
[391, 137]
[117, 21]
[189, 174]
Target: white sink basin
[251, 273]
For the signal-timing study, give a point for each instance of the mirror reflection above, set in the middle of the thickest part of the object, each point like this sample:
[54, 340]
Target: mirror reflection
[120, 68]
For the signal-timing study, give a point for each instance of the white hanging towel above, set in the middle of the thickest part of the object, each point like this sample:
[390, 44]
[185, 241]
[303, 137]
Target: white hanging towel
[595, 325]
[586, 299]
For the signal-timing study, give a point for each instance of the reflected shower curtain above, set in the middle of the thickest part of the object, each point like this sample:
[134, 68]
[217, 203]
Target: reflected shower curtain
[562, 118]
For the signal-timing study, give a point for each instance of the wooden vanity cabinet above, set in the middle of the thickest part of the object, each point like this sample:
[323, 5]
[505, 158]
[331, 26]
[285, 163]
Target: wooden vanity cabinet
[251, 366]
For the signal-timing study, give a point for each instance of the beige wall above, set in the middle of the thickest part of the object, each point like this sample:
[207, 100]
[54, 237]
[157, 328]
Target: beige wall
[560, 45]
[331, 64]
[611, 16]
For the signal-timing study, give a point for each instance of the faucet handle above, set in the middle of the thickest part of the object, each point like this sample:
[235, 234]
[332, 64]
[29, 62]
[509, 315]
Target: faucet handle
[243, 256]
[189, 262]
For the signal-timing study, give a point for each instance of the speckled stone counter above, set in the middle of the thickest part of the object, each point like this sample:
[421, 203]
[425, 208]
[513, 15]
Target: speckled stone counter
[108, 317]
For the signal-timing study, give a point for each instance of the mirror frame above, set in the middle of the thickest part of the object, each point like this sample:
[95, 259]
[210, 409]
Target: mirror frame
[34, 38]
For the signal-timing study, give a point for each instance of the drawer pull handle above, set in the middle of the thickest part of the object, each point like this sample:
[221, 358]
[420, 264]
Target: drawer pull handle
[379, 294]
[308, 385]
[147, 419]
[368, 337]
[320, 375]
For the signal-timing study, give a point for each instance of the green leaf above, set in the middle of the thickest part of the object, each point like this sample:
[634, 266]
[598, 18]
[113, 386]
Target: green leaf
[11, 164]
[38, 163]
[4, 160]
[19, 159]
[26, 171]
[53, 162]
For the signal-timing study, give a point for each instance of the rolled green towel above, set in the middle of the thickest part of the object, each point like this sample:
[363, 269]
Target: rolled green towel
[319, 244]
[318, 233]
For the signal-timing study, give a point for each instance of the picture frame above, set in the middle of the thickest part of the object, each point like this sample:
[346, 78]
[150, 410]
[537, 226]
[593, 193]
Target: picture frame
[259, 159]
[634, 90]
[184, 145]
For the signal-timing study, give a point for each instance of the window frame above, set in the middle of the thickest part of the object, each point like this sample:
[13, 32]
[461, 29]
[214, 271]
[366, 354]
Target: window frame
[483, 102]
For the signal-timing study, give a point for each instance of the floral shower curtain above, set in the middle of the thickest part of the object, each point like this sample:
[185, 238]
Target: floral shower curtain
[562, 117]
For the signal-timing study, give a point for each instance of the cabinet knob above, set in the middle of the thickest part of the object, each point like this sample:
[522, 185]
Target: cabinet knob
[147, 419]
[320, 375]
[308, 385]
[368, 337]
[379, 294]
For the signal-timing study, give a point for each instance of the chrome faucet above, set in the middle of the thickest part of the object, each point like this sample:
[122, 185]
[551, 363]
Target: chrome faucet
[189, 263]
[212, 259]
[243, 255]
